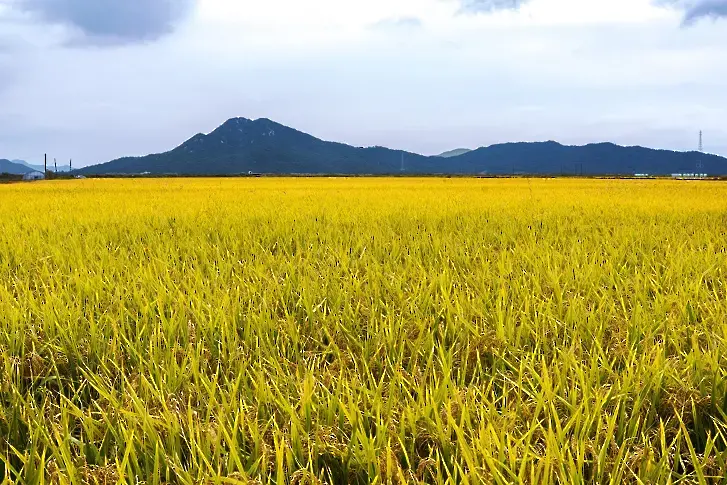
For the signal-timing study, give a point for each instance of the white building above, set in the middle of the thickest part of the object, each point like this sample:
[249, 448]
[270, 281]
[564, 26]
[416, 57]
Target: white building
[35, 175]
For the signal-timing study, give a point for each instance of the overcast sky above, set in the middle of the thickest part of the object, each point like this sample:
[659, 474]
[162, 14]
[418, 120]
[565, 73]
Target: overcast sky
[99, 79]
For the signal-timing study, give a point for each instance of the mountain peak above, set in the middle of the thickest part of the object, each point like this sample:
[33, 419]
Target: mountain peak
[233, 124]
[236, 121]
[242, 130]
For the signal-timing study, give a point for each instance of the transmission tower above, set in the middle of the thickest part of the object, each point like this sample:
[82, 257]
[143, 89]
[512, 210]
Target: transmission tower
[700, 164]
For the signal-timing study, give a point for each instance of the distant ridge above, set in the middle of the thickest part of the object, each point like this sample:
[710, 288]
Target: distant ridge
[41, 168]
[242, 146]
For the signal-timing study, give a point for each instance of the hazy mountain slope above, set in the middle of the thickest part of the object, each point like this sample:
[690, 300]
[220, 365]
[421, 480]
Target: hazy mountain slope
[41, 168]
[454, 153]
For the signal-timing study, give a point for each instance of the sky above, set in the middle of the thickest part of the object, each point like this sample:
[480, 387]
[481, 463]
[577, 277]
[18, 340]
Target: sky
[95, 80]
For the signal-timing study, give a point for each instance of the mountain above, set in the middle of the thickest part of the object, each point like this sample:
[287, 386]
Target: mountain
[262, 146]
[241, 146]
[6, 166]
[454, 153]
[593, 159]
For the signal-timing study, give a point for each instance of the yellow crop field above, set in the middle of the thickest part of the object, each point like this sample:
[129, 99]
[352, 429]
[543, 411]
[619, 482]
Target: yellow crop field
[226, 331]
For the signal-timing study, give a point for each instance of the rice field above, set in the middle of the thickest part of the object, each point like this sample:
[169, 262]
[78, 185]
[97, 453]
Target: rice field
[306, 331]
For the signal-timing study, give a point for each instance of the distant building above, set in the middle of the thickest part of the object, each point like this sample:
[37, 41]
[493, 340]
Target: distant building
[34, 175]
[689, 175]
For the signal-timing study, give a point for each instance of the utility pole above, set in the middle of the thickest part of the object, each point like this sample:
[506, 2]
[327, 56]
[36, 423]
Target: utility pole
[70, 165]
[55, 166]
[45, 165]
